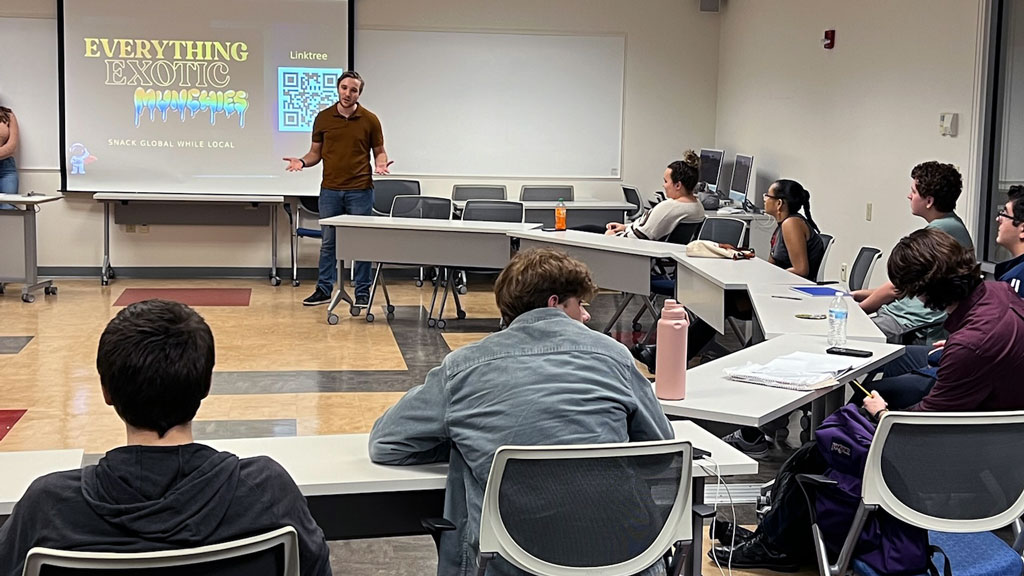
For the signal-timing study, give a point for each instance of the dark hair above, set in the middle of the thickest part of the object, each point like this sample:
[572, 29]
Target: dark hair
[932, 264]
[795, 197]
[1016, 196]
[686, 171]
[940, 182]
[155, 361]
[354, 75]
[534, 276]
[5, 115]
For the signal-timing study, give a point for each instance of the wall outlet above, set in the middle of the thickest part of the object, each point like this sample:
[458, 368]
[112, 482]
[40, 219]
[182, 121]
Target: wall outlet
[842, 271]
[143, 228]
[867, 212]
[129, 228]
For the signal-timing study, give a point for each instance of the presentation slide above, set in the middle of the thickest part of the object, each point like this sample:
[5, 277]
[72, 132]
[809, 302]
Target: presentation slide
[197, 96]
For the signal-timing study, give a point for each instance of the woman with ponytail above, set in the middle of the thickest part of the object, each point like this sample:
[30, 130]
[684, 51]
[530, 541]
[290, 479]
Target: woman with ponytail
[681, 204]
[796, 245]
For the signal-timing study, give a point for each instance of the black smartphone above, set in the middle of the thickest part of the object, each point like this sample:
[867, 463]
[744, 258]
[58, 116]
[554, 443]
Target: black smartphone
[849, 352]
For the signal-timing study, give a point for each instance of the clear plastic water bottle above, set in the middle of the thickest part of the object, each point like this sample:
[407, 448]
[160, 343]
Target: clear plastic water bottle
[838, 312]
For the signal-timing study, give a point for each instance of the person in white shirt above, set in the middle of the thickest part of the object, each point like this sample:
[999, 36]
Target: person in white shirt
[681, 205]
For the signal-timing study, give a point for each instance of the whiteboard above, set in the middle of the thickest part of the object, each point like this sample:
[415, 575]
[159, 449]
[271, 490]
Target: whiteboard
[494, 104]
[28, 86]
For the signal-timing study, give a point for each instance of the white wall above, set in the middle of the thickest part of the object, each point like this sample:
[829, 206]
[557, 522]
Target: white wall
[851, 122]
[670, 95]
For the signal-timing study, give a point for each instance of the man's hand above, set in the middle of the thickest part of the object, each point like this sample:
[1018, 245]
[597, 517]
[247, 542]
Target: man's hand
[860, 295]
[939, 344]
[614, 228]
[874, 403]
[383, 169]
[294, 164]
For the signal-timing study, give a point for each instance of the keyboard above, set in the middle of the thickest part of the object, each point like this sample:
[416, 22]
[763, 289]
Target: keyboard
[730, 210]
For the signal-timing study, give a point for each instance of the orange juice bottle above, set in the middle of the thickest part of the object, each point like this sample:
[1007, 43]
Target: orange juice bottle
[560, 215]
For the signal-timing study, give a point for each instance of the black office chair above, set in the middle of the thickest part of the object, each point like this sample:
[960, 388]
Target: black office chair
[384, 192]
[828, 241]
[723, 230]
[632, 196]
[493, 211]
[863, 266]
[546, 193]
[478, 192]
[309, 205]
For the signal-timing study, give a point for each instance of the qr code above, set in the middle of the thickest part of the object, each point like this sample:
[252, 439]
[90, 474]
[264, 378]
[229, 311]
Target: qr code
[302, 93]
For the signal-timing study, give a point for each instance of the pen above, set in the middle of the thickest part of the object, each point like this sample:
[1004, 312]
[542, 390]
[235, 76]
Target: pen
[862, 389]
[787, 297]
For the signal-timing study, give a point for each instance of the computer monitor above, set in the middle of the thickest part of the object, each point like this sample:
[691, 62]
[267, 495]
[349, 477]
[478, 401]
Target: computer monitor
[741, 172]
[711, 167]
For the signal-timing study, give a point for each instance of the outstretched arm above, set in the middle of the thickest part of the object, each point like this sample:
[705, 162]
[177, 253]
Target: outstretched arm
[312, 158]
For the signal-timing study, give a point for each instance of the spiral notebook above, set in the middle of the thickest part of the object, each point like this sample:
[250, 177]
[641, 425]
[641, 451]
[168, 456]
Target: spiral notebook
[794, 371]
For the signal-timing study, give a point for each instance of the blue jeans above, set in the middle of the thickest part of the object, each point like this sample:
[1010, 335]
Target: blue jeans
[8, 180]
[905, 380]
[336, 203]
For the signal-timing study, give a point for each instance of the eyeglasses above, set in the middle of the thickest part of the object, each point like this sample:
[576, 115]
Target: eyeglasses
[767, 195]
[1004, 214]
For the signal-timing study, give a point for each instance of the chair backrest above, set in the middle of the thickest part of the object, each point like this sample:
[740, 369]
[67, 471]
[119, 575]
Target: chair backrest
[430, 207]
[611, 508]
[863, 265]
[493, 210]
[951, 472]
[684, 232]
[384, 192]
[528, 193]
[478, 192]
[723, 230]
[272, 554]
[310, 204]
[828, 241]
[632, 196]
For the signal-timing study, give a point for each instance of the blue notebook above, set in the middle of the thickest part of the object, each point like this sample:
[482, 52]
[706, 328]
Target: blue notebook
[818, 290]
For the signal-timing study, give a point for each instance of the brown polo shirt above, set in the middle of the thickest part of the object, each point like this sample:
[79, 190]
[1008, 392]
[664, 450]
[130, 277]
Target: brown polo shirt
[346, 147]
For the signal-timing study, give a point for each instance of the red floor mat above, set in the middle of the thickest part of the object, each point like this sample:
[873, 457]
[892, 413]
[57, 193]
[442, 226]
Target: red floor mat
[189, 296]
[8, 418]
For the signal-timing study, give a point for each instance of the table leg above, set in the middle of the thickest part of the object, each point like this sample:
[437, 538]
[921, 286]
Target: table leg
[32, 282]
[105, 274]
[294, 243]
[340, 296]
[697, 559]
[275, 280]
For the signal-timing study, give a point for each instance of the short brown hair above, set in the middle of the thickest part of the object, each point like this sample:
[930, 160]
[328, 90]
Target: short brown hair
[355, 76]
[932, 264]
[535, 275]
[940, 182]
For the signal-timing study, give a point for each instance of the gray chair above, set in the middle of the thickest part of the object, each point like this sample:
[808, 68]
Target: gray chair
[723, 230]
[493, 211]
[828, 241]
[563, 510]
[545, 193]
[310, 206]
[272, 554]
[384, 192]
[863, 266]
[955, 473]
[428, 207]
[632, 196]
[478, 192]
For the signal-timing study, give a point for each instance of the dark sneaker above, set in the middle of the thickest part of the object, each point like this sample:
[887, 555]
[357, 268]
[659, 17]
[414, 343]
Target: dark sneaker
[317, 298]
[722, 530]
[753, 553]
[362, 300]
[758, 447]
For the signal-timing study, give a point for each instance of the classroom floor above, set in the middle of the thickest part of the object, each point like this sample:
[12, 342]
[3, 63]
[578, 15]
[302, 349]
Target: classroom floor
[281, 370]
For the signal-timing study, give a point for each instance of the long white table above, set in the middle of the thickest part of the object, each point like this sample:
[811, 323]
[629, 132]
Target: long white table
[711, 396]
[776, 308]
[421, 242]
[107, 198]
[20, 469]
[577, 212]
[18, 228]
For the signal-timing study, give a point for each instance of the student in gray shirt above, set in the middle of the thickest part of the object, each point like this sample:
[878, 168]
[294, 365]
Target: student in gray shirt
[546, 379]
[681, 204]
[934, 190]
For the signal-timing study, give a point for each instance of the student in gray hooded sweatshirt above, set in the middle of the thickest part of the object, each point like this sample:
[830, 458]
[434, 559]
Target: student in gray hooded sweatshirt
[546, 379]
[161, 491]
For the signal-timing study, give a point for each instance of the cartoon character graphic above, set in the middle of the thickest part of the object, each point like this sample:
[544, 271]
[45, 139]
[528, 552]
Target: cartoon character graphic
[79, 158]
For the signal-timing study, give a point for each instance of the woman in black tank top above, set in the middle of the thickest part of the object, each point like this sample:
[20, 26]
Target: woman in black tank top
[796, 245]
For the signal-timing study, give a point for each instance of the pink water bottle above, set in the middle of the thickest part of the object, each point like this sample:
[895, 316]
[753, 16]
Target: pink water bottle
[673, 328]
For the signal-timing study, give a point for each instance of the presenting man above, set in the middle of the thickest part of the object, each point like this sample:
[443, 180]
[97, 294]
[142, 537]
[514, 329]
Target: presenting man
[546, 379]
[344, 136]
[160, 491]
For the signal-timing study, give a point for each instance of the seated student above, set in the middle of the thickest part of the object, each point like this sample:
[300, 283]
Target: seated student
[934, 190]
[979, 371]
[681, 205]
[546, 379]
[1010, 235]
[161, 491]
[796, 245]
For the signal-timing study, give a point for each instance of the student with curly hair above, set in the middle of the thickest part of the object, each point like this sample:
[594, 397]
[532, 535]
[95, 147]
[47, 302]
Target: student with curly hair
[934, 190]
[1010, 235]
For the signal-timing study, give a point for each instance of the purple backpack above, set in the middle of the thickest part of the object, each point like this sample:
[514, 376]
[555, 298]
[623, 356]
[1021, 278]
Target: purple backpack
[886, 544]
